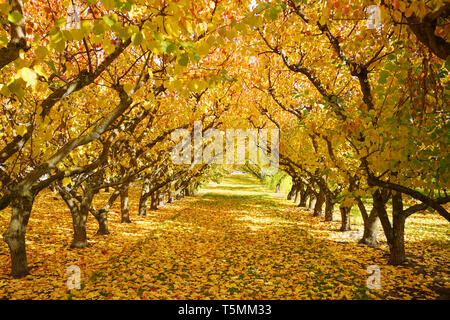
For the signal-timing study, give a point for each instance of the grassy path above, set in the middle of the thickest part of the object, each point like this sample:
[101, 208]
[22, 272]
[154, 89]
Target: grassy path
[233, 241]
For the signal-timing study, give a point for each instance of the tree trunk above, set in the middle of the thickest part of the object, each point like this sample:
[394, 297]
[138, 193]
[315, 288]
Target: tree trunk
[145, 193]
[345, 218]
[379, 205]
[124, 204]
[370, 229]
[312, 202]
[304, 195]
[297, 196]
[329, 206]
[398, 255]
[319, 203]
[79, 218]
[79, 229]
[292, 192]
[102, 215]
[170, 196]
[154, 201]
[143, 202]
[15, 235]
[160, 199]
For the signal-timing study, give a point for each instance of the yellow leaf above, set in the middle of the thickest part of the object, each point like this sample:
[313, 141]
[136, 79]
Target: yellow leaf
[28, 75]
[21, 130]
[66, 181]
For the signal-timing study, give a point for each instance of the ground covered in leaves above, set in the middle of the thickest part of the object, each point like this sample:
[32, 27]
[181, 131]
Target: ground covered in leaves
[235, 240]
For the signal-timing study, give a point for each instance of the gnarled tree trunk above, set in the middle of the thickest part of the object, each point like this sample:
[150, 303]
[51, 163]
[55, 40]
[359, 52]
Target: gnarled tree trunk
[160, 198]
[312, 201]
[102, 215]
[15, 234]
[304, 195]
[398, 255]
[292, 192]
[154, 201]
[319, 203]
[329, 206]
[124, 204]
[370, 229]
[79, 214]
[145, 193]
[170, 196]
[345, 218]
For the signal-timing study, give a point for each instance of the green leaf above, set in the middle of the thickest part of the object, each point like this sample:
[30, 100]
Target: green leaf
[109, 4]
[108, 20]
[67, 35]
[60, 22]
[15, 88]
[183, 60]
[196, 56]
[274, 12]
[167, 47]
[15, 17]
[383, 76]
[137, 38]
[77, 34]
[3, 40]
[51, 65]
[99, 28]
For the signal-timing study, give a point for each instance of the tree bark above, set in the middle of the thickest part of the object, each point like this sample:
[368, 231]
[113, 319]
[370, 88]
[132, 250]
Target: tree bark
[170, 196]
[370, 229]
[102, 215]
[15, 235]
[154, 201]
[304, 195]
[102, 219]
[379, 205]
[292, 191]
[160, 198]
[312, 202]
[79, 214]
[124, 204]
[424, 29]
[79, 230]
[345, 218]
[145, 193]
[398, 255]
[18, 37]
[319, 203]
[79, 236]
[329, 206]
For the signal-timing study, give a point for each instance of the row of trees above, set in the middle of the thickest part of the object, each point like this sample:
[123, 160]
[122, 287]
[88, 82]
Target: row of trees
[91, 92]
[363, 112]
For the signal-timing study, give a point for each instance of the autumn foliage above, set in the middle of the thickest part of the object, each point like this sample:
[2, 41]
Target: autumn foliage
[92, 91]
